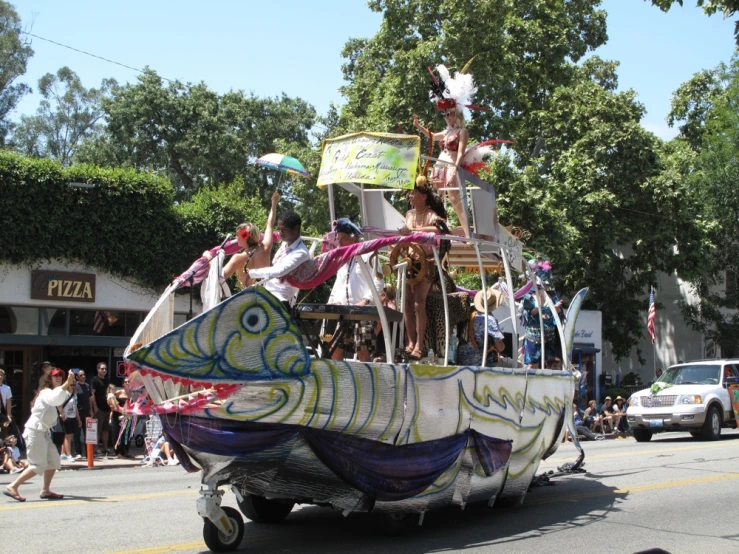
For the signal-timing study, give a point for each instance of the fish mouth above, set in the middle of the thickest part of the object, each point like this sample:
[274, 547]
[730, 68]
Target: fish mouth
[167, 394]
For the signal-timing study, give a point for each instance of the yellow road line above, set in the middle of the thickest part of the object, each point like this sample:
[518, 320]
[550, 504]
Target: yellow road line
[197, 545]
[71, 502]
[638, 488]
[631, 453]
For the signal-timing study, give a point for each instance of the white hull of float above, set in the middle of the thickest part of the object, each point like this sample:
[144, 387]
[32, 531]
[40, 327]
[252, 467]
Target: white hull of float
[392, 405]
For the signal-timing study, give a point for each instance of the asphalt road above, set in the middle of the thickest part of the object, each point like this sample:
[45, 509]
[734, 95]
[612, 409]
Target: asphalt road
[673, 493]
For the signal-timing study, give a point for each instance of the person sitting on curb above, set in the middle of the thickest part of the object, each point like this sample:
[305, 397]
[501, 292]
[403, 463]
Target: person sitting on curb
[592, 419]
[155, 458]
[10, 455]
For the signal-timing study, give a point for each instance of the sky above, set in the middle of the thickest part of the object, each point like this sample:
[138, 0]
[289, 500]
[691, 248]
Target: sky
[294, 46]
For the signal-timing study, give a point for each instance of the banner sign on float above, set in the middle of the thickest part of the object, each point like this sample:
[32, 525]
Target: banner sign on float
[372, 159]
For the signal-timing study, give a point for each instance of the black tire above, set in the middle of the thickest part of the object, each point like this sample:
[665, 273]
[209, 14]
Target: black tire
[396, 524]
[217, 541]
[696, 434]
[263, 510]
[712, 424]
[642, 435]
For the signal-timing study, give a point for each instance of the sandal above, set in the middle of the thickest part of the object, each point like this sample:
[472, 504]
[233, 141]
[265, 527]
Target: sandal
[416, 354]
[51, 496]
[14, 496]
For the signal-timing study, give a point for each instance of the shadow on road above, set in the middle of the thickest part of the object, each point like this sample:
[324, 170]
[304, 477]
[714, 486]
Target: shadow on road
[571, 502]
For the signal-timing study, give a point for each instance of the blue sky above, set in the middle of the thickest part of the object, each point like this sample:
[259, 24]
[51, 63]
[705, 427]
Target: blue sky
[295, 45]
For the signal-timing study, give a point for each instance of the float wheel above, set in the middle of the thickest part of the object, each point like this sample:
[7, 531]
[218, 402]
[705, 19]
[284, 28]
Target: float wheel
[264, 510]
[216, 540]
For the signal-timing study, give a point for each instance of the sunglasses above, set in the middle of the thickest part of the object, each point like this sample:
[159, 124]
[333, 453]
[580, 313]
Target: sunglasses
[243, 234]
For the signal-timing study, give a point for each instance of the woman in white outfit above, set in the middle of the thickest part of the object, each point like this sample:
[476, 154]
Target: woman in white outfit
[42, 454]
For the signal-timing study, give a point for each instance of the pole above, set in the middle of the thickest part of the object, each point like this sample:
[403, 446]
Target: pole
[654, 342]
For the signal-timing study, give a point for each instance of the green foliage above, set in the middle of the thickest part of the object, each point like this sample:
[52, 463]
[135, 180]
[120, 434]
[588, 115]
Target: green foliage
[598, 200]
[195, 136]
[713, 176]
[15, 51]
[68, 113]
[127, 224]
[215, 210]
[522, 51]
[615, 392]
[631, 379]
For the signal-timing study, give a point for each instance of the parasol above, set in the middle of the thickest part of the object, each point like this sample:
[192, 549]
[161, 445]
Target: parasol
[286, 164]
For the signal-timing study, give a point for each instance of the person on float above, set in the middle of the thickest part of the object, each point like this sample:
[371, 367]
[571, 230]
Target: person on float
[351, 289]
[43, 457]
[256, 254]
[453, 145]
[535, 306]
[292, 253]
[428, 210]
[451, 95]
[470, 354]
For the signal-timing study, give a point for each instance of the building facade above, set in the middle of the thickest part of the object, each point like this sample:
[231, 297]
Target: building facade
[72, 316]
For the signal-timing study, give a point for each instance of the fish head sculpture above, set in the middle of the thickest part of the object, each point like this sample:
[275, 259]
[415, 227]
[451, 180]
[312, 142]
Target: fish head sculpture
[248, 337]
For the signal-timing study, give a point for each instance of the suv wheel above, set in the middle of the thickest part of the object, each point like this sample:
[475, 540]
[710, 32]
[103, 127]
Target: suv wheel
[642, 435]
[712, 425]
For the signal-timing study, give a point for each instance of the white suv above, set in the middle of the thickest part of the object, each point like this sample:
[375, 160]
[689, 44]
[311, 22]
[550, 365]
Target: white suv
[689, 397]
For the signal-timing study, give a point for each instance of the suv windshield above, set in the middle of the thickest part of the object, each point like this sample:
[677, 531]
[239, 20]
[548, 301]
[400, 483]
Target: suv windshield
[692, 375]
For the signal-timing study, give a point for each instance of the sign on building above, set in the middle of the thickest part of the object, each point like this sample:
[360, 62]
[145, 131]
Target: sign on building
[62, 286]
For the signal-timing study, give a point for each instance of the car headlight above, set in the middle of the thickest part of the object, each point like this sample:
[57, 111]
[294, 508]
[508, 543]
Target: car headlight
[693, 399]
[634, 401]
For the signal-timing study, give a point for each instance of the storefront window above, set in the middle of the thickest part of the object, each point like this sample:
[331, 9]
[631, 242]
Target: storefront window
[18, 320]
[103, 323]
[53, 321]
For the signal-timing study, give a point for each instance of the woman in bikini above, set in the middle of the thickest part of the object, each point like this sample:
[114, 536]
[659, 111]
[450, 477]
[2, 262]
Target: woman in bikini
[255, 254]
[427, 210]
[453, 146]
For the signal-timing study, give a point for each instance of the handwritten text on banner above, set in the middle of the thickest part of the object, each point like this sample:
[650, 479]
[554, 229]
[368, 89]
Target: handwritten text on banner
[370, 158]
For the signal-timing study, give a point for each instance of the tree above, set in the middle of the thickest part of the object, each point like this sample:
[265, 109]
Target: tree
[521, 50]
[195, 136]
[727, 7]
[15, 52]
[713, 179]
[68, 114]
[593, 187]
[600, 203]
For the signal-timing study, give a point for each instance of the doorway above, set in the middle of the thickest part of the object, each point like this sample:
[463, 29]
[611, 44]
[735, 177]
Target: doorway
[20, 363]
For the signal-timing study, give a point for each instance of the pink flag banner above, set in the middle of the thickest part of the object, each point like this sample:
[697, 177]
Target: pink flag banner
[321, 268]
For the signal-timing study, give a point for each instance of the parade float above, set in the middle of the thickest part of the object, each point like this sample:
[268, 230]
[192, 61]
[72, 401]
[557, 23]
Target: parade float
[249, 397]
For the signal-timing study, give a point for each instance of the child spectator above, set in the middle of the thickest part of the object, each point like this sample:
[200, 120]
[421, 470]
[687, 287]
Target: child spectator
[11, 455]
[155, 457]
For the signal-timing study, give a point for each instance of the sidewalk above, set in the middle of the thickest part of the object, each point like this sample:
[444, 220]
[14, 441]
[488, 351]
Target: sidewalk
[108, 462]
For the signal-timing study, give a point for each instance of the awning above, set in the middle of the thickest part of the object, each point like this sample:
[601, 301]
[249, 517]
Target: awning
[580, 348]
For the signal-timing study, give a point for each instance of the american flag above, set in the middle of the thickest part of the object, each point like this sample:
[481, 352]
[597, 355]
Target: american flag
[102, 320]
[651, 316]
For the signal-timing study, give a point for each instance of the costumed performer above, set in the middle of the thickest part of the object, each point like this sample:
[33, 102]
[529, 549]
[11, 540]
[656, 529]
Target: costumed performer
[352, 289]
[256, 254]
[451, 95]
[535, 307]
[43, 456]
[428, 210]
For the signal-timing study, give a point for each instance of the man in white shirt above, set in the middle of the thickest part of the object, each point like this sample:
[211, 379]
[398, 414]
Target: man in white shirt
[291, 254]
[351, 288]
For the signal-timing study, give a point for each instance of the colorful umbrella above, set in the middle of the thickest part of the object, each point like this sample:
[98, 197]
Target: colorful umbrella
[288, 164]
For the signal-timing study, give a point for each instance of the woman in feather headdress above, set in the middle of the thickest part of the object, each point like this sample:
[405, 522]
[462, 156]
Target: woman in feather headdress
[451, 95]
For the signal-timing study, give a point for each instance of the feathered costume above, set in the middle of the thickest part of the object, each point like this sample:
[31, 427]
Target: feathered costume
[455, 93]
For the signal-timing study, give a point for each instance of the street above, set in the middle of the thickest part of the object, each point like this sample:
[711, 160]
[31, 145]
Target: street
[673, 493]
